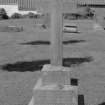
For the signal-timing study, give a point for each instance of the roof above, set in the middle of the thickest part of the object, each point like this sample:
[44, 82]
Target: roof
[97, 2]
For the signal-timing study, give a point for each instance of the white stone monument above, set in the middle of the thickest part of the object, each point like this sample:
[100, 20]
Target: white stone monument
[54, 87]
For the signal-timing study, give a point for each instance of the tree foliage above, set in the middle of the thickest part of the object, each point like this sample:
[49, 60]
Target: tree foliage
[16, 16]
[31, 15]
[3, 14]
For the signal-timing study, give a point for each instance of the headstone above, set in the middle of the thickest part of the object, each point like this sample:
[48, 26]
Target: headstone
[81, 99]
[11, 29]
[97, 27]
[74, 82]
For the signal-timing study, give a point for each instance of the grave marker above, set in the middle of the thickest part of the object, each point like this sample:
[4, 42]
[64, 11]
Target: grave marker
[54, 88]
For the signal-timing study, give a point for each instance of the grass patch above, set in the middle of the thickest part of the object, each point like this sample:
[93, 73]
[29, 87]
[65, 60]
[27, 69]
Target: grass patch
[39, 42]
[37, 65]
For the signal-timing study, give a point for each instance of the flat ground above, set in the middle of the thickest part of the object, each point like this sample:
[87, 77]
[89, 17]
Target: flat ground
[16, 87]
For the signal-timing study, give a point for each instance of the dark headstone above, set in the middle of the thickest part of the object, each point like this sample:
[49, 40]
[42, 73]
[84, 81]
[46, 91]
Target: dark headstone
[81, 99]
[74, 82]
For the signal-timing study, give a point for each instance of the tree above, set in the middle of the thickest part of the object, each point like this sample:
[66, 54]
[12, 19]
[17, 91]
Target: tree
[32, 15]
[3, 14]
[16, 16]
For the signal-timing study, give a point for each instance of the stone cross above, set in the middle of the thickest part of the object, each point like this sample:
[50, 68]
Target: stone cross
[54, 87]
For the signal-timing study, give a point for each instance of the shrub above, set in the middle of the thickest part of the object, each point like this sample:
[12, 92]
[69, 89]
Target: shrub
[25, 16]
[3, 14]
[31, 15]
[16, 16]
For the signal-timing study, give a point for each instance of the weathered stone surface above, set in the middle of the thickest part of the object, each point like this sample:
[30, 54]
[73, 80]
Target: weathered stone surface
[55, 94]
[55, 68]
[55, 74]
[53, 88]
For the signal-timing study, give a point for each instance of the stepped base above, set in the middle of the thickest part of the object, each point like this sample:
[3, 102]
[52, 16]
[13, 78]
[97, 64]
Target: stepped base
[53, 88]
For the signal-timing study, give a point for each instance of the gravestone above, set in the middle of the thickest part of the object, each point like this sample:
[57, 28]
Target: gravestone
[97, 26]
[54, 87]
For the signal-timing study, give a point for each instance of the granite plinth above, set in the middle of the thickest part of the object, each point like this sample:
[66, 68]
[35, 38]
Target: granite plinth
[55, 94]
[55, 74]
[54, 87]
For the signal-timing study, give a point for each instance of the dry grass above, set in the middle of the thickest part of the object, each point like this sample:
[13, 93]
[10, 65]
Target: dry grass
[16, 87]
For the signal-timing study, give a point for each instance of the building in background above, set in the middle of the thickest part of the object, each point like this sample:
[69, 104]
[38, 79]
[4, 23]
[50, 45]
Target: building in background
[97, 5]
[18, 6]
[22, 4]
[92, 3]
[10, 9]
[42, 5]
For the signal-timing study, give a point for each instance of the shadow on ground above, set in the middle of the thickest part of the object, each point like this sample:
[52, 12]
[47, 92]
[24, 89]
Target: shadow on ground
[103, 103]
[39, 42]
[37, 65]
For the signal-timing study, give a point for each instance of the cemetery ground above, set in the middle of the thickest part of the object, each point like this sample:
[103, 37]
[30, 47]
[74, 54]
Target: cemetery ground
[33, 44]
